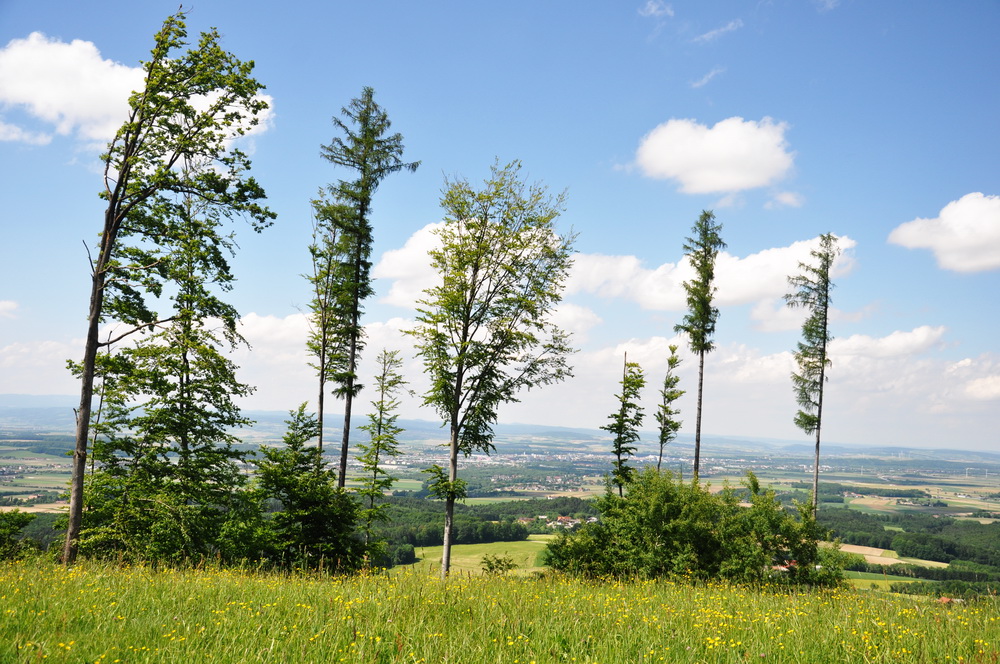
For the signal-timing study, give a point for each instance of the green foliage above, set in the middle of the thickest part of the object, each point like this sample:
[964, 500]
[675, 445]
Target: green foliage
[344, 267]
[812, 292]
[11, 524]
[664, 527]
[168, 478]
[176, 147]
[316, 522]
[485, 332]
[701, 250]
[699, 322]
[442, 488]
[383, 441]
[624, 424]
[666, 414]
[497, 565]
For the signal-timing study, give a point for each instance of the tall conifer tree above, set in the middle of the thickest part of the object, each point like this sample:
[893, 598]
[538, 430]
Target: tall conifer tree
[371, 153]
[812, 293]
[699, 323]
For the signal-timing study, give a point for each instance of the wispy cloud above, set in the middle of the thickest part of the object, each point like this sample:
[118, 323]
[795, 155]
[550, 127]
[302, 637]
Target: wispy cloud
[703, 81]
[712, 35]
[656, 9]
[7, 309]
[826, 5]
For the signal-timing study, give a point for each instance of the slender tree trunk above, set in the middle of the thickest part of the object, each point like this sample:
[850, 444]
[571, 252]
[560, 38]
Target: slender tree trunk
[321, 398]
[697, 421]
[83, 414]
[352, 355]
[449, 503]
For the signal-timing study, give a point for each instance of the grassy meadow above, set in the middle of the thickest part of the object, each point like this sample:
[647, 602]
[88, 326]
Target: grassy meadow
[101, 613]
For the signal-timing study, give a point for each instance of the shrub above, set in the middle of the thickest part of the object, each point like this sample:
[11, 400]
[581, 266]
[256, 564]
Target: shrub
[664, 527]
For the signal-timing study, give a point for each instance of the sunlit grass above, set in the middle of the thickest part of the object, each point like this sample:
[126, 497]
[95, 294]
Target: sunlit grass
[101, 613]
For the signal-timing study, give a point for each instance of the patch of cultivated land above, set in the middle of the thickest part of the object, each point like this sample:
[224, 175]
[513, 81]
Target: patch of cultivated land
[877, 556]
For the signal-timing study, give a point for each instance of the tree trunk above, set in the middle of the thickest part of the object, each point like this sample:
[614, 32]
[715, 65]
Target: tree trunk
[83, 413]
[697, 421]
[449, 504]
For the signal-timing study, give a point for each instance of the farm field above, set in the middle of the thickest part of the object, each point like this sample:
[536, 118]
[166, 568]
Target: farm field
[100, 613]
[467, 558]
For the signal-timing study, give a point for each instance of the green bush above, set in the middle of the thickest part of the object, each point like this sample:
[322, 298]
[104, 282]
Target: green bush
[11, 524]
[664, 527]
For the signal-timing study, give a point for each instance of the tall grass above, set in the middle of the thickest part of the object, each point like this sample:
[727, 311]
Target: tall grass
[101, 613]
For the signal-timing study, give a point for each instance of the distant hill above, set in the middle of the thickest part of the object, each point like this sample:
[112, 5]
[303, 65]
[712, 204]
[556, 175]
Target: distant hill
[54, 414]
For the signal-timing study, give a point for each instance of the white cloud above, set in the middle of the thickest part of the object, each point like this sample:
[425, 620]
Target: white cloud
[409, 268]
[965, 236]
[712, 35]
[785, 199]
[8, 309]
[897, 344]
[14, 134]
[986, 388]
[703, 81]
[576, 320]
[657, 9]
[826, 5]
[734, 155]
[38, 367]
[69, 86]
[758, 277]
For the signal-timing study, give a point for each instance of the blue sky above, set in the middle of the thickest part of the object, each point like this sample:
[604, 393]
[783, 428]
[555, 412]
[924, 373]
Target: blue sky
[874, 121]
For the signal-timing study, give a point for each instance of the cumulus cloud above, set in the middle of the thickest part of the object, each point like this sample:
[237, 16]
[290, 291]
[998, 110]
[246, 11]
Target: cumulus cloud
[984, 389]
[754, 278]
[965, 236]
[897, 344]
[734, 155]
[409, 267]
[656, 9]
[8, 309]
[703, 81]
[72, 90]
[68, 86]
[712, 35]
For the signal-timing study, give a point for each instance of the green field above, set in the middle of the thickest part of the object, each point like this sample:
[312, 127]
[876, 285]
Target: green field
[467, 558]
[101, 613]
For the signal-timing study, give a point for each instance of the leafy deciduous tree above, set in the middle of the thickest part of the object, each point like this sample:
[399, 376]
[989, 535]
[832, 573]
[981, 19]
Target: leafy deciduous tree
[812, 293]
[666, 414]
[625, 423]
[367, 150]
[485, 332]
[699, 322]
[190, 108]
[168, 480]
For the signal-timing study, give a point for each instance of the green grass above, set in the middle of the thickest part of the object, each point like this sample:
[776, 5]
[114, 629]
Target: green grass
[100, 613]
[866, 580]
[467, 558]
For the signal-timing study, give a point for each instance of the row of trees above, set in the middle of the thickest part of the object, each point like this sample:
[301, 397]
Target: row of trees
[166, 392]
[810, 291]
